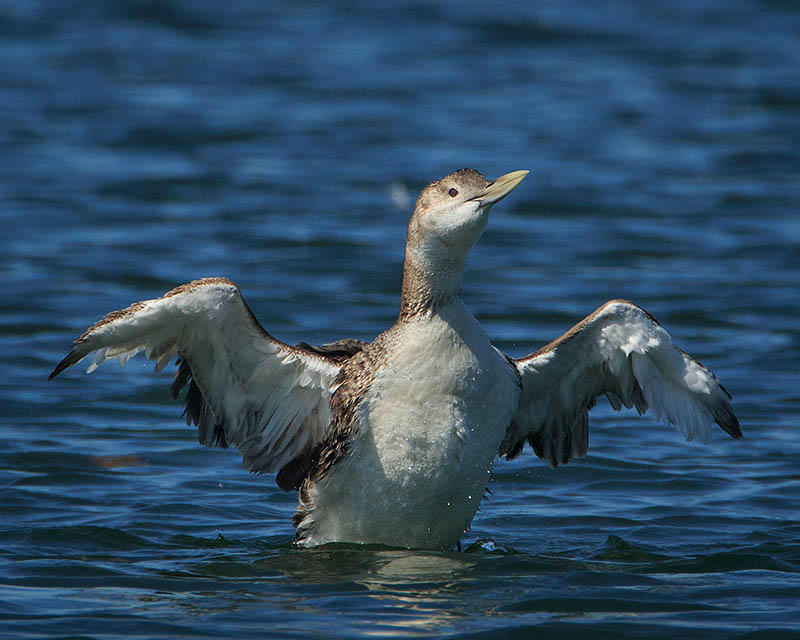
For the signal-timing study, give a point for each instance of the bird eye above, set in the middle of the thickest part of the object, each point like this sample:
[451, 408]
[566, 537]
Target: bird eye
[453, 192]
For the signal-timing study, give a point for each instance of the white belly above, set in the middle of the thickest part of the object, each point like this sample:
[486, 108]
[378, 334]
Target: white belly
[428, 431]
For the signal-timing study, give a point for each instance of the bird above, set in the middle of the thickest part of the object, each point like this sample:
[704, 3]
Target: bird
[392, 442]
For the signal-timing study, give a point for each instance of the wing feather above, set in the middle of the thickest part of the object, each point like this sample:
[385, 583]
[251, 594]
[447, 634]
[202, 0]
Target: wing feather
[619, 351]
[246, 388]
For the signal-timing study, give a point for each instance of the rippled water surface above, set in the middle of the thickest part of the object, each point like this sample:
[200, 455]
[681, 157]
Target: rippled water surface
[144, 144]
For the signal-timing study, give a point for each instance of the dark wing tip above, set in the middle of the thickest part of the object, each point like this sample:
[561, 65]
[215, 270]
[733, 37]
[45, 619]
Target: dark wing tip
[723, 415]
[730, 424]
[71, 358]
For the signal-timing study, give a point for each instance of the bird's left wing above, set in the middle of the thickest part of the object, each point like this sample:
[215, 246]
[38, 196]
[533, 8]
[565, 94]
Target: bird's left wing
[246, 388]
[619, 351]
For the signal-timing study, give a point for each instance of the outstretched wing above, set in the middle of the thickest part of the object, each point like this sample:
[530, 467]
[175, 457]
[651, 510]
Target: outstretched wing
[619, 351]
[246, 388]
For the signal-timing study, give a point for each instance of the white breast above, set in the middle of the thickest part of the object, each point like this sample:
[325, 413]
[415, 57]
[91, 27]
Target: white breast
[429, 429]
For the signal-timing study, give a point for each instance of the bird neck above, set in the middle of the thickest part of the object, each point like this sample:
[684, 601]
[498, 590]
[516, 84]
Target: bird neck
[428, 284]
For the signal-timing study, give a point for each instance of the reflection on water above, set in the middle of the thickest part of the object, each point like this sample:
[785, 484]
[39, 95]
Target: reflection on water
[421, 589]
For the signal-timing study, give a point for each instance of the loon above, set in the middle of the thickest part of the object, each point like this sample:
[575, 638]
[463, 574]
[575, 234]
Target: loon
[391, 442]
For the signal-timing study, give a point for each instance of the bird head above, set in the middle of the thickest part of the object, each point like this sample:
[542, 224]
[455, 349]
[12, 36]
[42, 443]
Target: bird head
[451, 213]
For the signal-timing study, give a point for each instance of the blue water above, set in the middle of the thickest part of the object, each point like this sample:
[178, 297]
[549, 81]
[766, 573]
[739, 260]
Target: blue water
[144, 144]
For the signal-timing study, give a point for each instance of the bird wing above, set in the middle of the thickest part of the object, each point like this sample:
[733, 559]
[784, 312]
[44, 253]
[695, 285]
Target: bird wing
[619, 351]
[246, 388]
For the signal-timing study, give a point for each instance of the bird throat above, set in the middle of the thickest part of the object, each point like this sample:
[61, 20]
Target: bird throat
[428, 285]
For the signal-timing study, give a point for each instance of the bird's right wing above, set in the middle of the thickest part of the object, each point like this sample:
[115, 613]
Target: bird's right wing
[246, 388]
